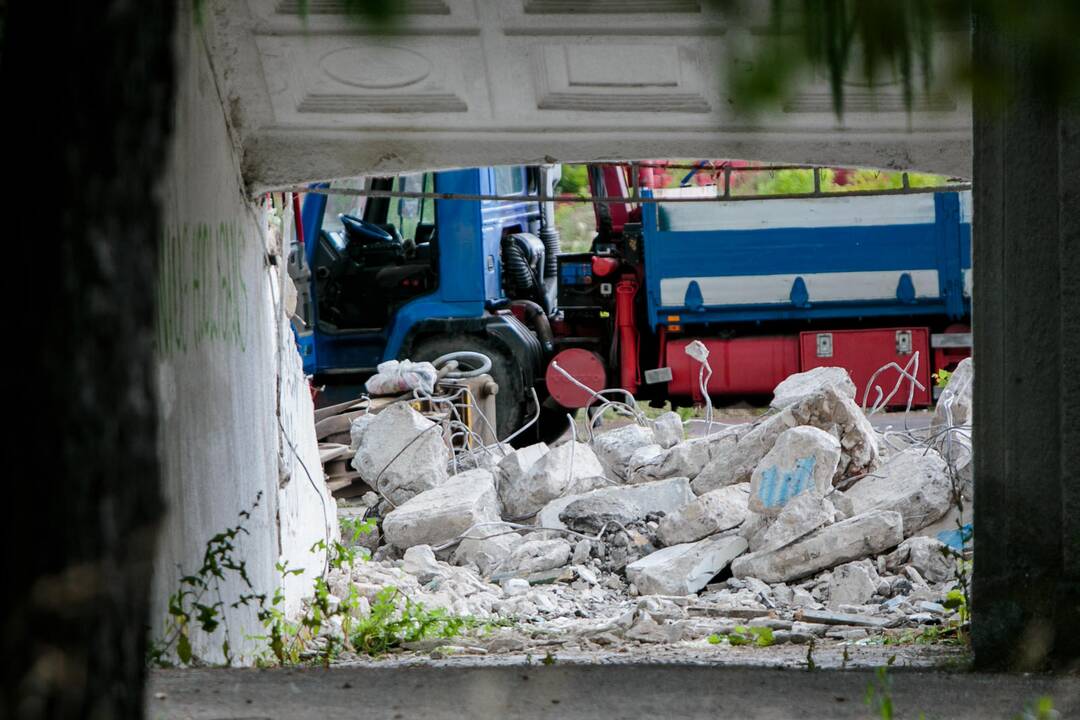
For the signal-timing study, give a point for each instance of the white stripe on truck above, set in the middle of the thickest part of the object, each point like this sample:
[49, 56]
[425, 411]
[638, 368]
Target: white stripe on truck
[822, 287]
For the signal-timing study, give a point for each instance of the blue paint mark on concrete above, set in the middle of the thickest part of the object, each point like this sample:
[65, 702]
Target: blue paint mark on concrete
[775, 489]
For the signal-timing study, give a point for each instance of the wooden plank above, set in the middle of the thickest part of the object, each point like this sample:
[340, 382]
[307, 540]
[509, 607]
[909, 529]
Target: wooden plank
[328, 452]
[336, 424]
[332, 410]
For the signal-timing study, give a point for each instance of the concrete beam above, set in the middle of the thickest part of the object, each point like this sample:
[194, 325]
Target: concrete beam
[462, 83]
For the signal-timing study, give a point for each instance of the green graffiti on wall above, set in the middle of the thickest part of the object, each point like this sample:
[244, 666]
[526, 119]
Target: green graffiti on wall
[202, 296]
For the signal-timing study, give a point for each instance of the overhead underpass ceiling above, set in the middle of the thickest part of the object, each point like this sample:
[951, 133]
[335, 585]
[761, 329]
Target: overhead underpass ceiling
[472, 82]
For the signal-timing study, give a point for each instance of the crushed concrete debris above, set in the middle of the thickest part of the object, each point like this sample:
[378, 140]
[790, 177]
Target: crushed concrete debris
[851, 539]
[708, 514]
[805, 522]
[630, 502]
[668, 430]
[569, 468]
[616, 447]
[914, 483]
[400, 454]
[533, 556]
[684, 569]
[487, 547]
[804, 459]
[443, 513]
[802, 385]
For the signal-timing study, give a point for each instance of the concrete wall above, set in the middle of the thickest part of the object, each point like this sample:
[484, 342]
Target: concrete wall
[229, 377]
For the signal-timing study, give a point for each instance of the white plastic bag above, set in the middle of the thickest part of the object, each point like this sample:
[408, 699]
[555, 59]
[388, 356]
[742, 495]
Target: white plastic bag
[394, 378]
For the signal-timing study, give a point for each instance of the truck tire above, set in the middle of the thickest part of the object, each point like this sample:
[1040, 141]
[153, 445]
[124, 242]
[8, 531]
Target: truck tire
[513, 400]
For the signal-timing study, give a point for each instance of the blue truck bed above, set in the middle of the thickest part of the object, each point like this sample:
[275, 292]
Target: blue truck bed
[855, 256]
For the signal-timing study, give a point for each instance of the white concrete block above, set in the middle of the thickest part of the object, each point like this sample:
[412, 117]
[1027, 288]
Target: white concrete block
[441, 514]
[708, 514]
[914, 483]
[568, 468]
[615, 448]
[631, 500]
[804, 459]
[684, 569]
[852, 539]
[401, 453]
[801, 385]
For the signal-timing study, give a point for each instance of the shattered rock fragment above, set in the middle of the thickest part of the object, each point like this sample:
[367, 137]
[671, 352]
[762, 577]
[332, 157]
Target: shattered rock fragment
[852, 539]
[827, 409]
[930, 557]
[533, 556]
[419, 561]
[357, 428]
[627, 502]
[515, 465]
[804, 459]
[441, 514]
[616, 447]
[683, 460]
[668, 430]
[852, 583]
[401, 453]
[708, 514]
[487, 547]
[801, 385]
[914, 483]
[954, 405]
[800, 517]
[566, 469]
[684, 569]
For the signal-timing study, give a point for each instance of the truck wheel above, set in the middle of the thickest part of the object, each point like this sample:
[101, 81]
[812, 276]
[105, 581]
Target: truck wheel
[513, 400]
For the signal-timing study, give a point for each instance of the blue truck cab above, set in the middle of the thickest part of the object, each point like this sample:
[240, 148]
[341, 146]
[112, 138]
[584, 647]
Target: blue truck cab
[402, 277]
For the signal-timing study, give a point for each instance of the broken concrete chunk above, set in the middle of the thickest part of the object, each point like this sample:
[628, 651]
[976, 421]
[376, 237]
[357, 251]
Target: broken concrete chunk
[914, 483]
[492, 545]
[800, 517]
[804, 459]
[616, 447]
[441, 514]
[357, 427]
[754, 529]
[852, 539]
[954, 405]
[668, 429]
[853, 583]
[801, 385]
[827, 617]
[517, 464]
[566, 469]
[684, 569]
[684, 460]
[827, 409]
[708, 514]
[533, 556]
[401, 453]
[927, 555]
[419, 560]
[627, 501]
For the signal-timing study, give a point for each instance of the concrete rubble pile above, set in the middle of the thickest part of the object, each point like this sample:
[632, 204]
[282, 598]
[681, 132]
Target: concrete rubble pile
[807, 521]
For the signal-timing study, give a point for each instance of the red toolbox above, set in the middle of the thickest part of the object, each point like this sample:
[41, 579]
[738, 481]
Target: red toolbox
[862, 352]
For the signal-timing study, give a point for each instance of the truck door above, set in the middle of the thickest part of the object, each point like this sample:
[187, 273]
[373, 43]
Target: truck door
[369, 259]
